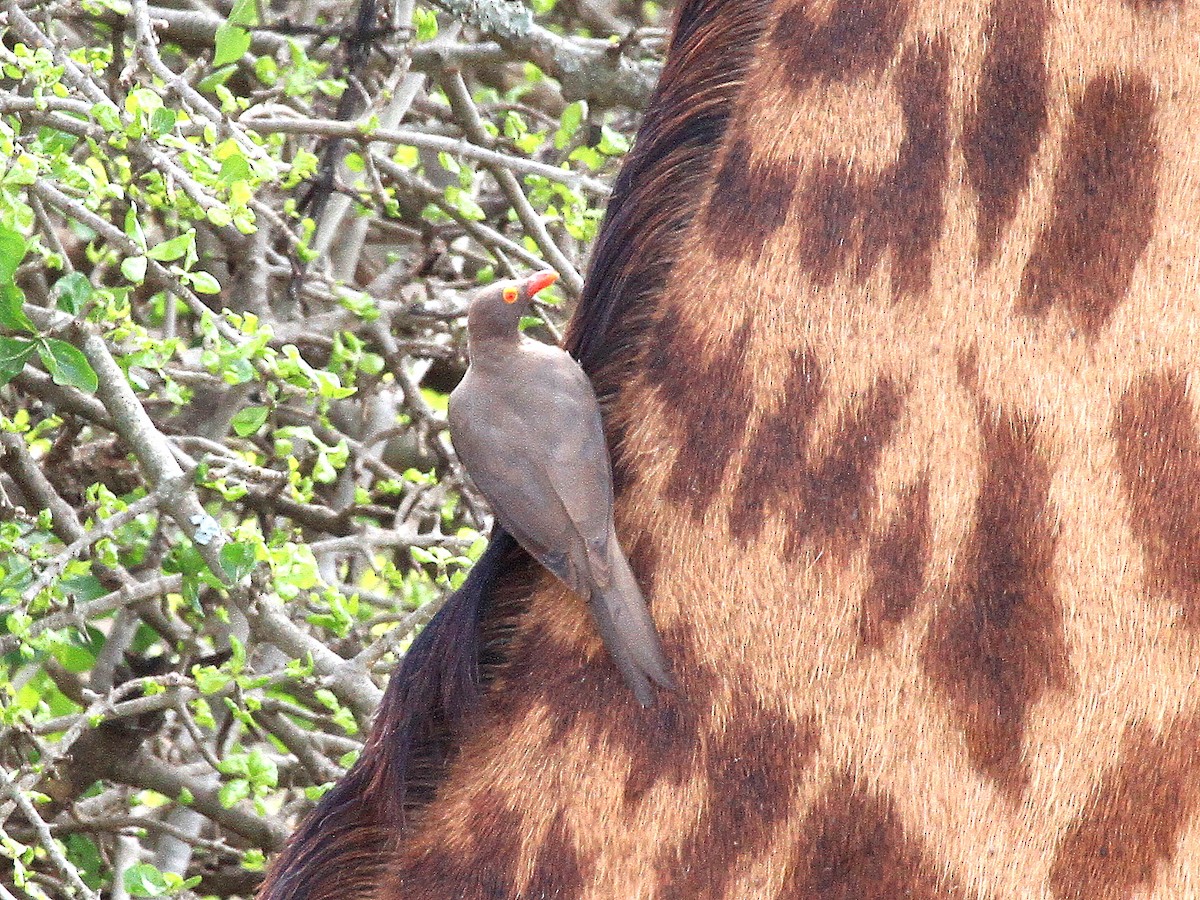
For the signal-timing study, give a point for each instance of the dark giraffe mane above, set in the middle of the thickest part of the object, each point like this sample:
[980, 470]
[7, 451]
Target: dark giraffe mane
[342, 844]
[341, 847]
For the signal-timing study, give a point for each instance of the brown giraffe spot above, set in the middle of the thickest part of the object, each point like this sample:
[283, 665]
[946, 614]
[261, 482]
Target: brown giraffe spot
[896, 562]
[859, 37]
[579, 692]
[1153, 5]
[996, 645]
[708, 389]
[586, 698]
[558, 871]
[1133, 819]
[1005, 129]
[482, 868]
[749, 203]
[643, 556]
[853, 219]
[1105, 195]
[583, 696]
[854, 847]
[778, 448]
[666, 751]
[826, 499]
[838, 490]
[753, 770]
[553, 673]
[667, 743]
[1158, 453]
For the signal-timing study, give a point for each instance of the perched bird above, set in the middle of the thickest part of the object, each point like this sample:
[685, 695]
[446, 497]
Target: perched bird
[527, 427]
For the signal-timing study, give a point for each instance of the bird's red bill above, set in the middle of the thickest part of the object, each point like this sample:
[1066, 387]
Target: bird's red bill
[541, 281]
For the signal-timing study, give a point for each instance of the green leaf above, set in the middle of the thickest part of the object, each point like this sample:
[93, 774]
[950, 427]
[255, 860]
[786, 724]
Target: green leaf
[219, 76]
[134, 268]
[527, 322]
[54, 141]
[204, 283]
[426, 24]
[588, 156]
[464, 204]
[73, 291]
[529, 143]
[142, 100]
[210, 679]
[267, 70]
[219, 215]
[238, 764]
[13, 247]
[107, 116]
[13, 354]
[612, 143]
[169, 251]
[238, 661]
[12, 311]
[74, 657]
[514, 125]
[262, 769]
[82, 852]
[133, 228]
[83, 587]
[144, 880]
[22, 170]
[361, 304]
[235, 168]
[162, 120]
[572, 117]
[244, 12]
[247, 421]
[406, 157]
[233, 791]
[237, 559]
[232, 42]
[67, 365]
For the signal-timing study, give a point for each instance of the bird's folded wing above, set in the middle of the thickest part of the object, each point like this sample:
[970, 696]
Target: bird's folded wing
[578, 468]
[535, 448]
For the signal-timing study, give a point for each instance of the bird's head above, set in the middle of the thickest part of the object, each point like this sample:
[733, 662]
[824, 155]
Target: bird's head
[497, 309]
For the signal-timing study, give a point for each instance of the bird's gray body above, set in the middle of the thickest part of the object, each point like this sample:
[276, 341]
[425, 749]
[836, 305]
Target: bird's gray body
[527, 428]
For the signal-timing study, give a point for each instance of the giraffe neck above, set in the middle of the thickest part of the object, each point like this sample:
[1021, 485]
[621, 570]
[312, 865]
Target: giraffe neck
[893, 319]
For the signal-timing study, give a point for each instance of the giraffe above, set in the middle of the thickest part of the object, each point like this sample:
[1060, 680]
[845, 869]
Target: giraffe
[894, 319]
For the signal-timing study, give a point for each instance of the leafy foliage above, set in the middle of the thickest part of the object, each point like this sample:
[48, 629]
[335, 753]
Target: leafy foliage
[235, 253]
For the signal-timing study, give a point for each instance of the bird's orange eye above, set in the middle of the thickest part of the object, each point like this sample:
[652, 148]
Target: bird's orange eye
[511, 294]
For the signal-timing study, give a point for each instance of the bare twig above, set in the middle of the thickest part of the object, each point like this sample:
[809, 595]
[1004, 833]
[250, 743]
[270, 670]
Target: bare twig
[424, 140]
[464, 106]
[586, 69]
[69, 871]
[53, 567]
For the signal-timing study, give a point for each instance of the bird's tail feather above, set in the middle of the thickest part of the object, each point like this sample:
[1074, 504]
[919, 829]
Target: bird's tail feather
[628, 630]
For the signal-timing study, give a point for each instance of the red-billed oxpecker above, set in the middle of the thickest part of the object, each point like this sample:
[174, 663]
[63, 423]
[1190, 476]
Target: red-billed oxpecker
[526, 425]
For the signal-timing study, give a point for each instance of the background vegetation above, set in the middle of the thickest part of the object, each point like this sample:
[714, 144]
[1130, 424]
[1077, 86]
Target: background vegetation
[236, 243]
